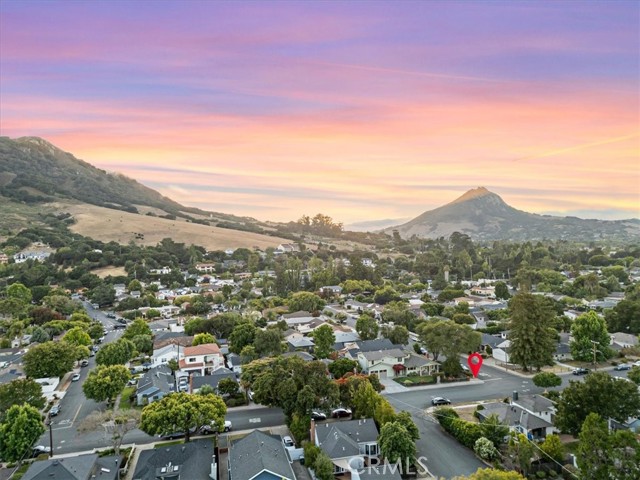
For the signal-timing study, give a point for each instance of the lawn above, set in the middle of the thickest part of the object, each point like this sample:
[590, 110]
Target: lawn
[415, 380]
[124, 398]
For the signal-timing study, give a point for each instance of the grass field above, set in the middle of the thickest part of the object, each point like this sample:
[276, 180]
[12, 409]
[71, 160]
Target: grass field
[108, 225]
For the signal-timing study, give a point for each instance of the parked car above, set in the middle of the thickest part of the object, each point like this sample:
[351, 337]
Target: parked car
[111, 315]
[340, 412]
[637, 364]
[622, 366]
[76, 377]
[55, 410]
[318, 416]
[288, 441]
[580, 371]
[174, 435]
[437, 401]
[84, 363]
[208, 429]
[40, 449]
[119, 326]
[122, 321]
[133, 381]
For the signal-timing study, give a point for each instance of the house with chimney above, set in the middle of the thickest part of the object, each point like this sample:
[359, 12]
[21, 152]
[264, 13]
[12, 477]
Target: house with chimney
[193, 461]
[349, 444]
[80, 467]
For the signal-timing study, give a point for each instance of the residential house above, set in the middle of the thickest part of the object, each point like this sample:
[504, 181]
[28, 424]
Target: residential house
[168, 352]
[188, 461]
[304, 344]
[202, 358]
[347, 443]
[563, 349]
[154, 385]
[234, 363]
[395, 362]
[81, 467]
[621, 340]
[288, 248]
[307, 357]
[259, 456]
[531, 415]
[197, 382]
[331, 290]
[162, 338]
[206, 267]
[501, 351]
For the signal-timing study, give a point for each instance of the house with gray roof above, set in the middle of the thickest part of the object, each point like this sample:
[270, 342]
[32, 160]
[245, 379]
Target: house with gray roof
[154, 385]
[198, 381]
[259, 456]
[395, 362]
[347, 443]
[194, 461]
[81, 467]
[300, 343]
[531, 415]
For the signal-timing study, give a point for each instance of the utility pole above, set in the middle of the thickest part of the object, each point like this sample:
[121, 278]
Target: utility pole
[50, 439]
[594, 352]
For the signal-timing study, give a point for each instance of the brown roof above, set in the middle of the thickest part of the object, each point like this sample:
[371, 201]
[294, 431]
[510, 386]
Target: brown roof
[204, 349]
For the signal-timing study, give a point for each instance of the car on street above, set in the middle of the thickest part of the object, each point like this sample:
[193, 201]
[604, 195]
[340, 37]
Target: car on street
[288, 441]
[84, 363]
[637, 364]
[438, 401]
[318, 416]
[580, 371]
[622, 366]
[40, 449]
[111, 315]
[208, 429]
[76, 377]
[122, 321]
[55, 410]
[174, 435]
[340, 412]
[119, 326]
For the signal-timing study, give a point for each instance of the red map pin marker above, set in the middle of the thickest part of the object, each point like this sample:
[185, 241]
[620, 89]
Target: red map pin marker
[475, 362]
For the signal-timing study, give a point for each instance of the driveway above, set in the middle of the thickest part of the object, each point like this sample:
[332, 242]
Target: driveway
[392, 387]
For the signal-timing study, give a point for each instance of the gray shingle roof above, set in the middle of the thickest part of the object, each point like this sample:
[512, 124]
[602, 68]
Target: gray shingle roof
[193, 460]
[258, 452]
[394, 352]
[339, 445]
[72, 468]
[362, 431]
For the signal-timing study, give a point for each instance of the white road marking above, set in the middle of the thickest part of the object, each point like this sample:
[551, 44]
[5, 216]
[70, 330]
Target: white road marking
[255, 420]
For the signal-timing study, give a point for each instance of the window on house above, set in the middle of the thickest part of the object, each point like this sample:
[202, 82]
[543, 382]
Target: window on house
[191, 359]
[371, 449]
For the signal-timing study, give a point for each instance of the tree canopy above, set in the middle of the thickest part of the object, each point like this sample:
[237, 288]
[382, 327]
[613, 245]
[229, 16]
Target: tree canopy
[49, 359]
[21, 427]
[590, 339]
[182, 412]
[106, 382]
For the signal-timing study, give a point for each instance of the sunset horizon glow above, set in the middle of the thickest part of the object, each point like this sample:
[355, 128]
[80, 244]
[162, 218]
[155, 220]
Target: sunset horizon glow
[363, 111]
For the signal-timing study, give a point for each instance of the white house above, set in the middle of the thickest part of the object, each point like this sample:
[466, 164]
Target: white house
[395, 362]
[162, 355]
[202, 358]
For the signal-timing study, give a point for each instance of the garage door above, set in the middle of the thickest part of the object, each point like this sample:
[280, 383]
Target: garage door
[380, 373]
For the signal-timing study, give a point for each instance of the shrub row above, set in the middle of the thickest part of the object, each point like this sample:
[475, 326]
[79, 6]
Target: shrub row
[465, 432]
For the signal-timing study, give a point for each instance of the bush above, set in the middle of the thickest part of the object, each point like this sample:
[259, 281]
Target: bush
[484, 449]
[541, 474]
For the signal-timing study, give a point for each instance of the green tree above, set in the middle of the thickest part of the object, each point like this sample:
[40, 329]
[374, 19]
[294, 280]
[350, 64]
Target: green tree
[181, 412]
[19, 292]
[77, 336]
[323, 467]
[299, 427]
[96, 330]
[553, 448]
[385, 413]
[116, 353]
[399, 334]
[228, 387]
[367, 327]
[365, 400]
[587, 329]
[404, 418]
[546, 380]
[268, 342]
[106, 382]
[19, 391]
[323, 339]
[522, 452]
[493, 429]
[143, 344]
[599, 393]
[242, 335]
[492, 474]
[533, 339]
[103, 294]
[138, 327]
[448, 338]
[49, 359]
[341, 366]
[203, 339]
[40, 335]
[248, 354]
[21, 427]
[594, 455]
[305, 301]
[396, 443]
[634, 375]
[502, 291]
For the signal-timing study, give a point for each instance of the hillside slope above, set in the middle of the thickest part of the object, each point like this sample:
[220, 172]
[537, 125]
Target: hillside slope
[483, 215]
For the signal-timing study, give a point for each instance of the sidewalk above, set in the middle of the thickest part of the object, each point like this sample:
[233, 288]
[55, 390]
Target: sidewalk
[473, 381]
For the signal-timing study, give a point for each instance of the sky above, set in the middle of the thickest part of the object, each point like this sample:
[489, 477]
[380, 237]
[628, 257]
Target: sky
[361, 110]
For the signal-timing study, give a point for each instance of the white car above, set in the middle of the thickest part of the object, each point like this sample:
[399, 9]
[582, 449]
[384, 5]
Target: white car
[207, 429]
[637, 364]
[76, 377]
[288, 441]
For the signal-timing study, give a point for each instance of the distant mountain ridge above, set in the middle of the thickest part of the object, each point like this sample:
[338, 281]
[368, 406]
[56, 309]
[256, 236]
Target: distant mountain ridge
[33, 170]
[483, 215]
